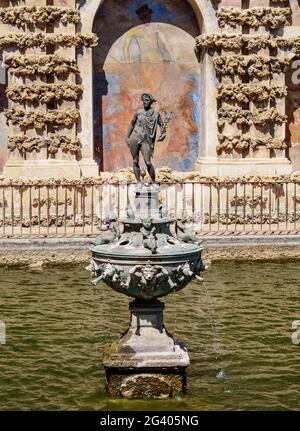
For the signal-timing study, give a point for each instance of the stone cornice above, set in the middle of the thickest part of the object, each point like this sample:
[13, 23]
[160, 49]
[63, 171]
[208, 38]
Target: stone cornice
[165, 176]
[236, 42]
[38, 15]
[245, 142]
[270, 17]
[39, 119]
[245, 93]
[42, 40]
[44, 93]
[52, 142]
[250, 65]
[30, 65]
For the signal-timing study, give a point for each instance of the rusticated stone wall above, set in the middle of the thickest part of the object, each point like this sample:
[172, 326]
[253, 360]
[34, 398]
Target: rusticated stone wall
[251, 94]
[38, 43]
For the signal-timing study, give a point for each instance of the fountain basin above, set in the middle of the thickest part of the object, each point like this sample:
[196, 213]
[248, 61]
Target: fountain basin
[141, 257]
[136, 272]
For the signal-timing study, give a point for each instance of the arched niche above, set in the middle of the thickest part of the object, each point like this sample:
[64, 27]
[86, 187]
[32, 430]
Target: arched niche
[146, 47]
[139, 53]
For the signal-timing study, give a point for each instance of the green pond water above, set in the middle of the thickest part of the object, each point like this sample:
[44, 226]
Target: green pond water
[237, 328]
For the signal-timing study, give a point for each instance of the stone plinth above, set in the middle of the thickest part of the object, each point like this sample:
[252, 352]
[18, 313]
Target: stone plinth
[50, 168]
[88, 168]
[147, 201]
[212, 166]
[147, 362]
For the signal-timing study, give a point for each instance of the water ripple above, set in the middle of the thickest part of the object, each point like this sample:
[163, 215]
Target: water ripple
[237, 327]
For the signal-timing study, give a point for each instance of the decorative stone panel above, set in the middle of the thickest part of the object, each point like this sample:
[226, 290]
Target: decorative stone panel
[251, 58]
[43, 82]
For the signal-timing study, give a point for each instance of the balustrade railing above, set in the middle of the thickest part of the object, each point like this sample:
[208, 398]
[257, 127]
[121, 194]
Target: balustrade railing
[75, 210]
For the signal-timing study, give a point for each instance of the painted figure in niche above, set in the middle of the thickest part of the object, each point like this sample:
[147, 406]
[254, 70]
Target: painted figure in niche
[141, 136]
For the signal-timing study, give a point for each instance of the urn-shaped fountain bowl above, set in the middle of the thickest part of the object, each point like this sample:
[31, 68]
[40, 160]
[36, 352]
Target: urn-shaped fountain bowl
[140, 256]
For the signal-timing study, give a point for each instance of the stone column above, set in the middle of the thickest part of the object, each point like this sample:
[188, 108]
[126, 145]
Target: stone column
[232, 130]
[261, 153]
[85, 63]
[271, 130]
[87, 163]
[66, 162]
[147, 362]
[34, 156]
[209, 129]
[15, 158]
[208, 109]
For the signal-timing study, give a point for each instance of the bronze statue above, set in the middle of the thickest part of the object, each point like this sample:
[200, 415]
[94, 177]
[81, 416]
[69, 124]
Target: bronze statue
[148, 230]
[141, 136]
[111, 231]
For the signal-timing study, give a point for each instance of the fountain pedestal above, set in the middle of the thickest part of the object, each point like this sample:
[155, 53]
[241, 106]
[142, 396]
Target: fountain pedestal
[147, 202]
[147, 362]
[146, 261]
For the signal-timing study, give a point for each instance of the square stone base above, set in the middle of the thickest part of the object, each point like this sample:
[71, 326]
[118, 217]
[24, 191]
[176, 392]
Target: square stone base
[147, 362]
[145, 383]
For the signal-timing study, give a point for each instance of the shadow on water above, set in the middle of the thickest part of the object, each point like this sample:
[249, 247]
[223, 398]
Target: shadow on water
[237, 328]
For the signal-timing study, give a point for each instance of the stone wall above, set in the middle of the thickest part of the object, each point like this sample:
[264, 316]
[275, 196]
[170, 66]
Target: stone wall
[232, 113]
[39, 47]
[251, 57]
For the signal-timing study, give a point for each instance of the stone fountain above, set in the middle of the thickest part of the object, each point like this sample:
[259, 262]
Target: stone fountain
[146, 261]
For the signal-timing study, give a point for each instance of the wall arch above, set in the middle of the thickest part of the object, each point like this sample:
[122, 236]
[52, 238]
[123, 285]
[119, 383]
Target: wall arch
[206, 18]
[203, 9]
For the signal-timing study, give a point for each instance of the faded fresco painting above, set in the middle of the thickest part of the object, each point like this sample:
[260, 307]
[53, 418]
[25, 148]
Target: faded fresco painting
[146, 47]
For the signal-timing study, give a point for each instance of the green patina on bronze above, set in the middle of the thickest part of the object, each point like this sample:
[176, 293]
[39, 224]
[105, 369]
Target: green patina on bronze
[146, 261]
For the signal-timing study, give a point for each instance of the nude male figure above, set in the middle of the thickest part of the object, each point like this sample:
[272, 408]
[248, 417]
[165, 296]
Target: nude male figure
[141, 136]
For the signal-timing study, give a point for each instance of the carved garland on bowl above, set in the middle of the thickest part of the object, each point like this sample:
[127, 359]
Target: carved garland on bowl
[38, 119]
[29, 65]
[148, 279]
[39, 15]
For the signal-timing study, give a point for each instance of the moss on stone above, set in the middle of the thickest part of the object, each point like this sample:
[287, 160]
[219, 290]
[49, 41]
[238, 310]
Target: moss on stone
[109, 350]
[145, 385]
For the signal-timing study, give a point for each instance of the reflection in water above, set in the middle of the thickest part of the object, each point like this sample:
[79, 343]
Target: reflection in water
[238, 331]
